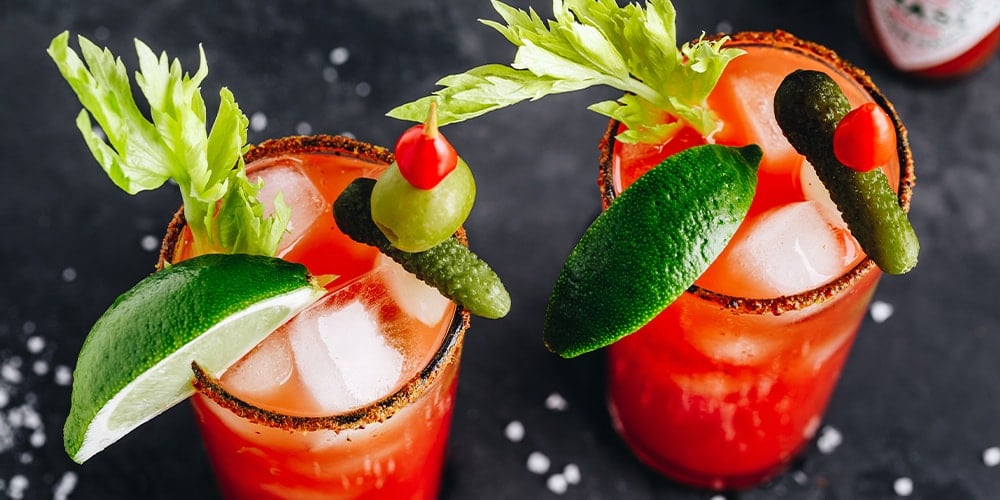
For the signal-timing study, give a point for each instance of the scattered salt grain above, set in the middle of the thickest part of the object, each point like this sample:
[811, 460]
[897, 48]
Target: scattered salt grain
[258, 121]
[903, 486]
[37, 438]
[69, 275]
[26, 458]
[303, 128]
[102, 33]
[800, 478]
[11, 371]
[149, 243]
[4, 397]
[363, 89]
[6, 436]
[991, 456]
[572, 474]
[26, 416]
[881, 311]
[40, 367]
[339, 55]
[65, 486]
[35, 344]
[29, 327]
[330, 74]
[63, 375]
[538, 463]
[557, 484]
[556, 402]
[17, 485]
[514, 431]
[829, 439]
[718, 497]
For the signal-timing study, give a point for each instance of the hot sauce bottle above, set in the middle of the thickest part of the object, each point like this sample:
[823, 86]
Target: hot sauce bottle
[932, 39]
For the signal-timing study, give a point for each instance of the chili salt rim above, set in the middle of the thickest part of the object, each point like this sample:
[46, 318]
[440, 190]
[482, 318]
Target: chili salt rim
[907, 178]
[374, 412]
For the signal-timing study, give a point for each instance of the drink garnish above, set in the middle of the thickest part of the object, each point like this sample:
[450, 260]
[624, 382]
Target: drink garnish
[864, 138]
[591, 43]
[220, 204]
[808, 105]
[423, 154]
[448, 266]
[426, 194]
[649, 246]
[633, 49]
[136, 361]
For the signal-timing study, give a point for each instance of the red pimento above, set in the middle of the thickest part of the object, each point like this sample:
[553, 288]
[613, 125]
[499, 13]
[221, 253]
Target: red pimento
[424, 156]
[865, 138]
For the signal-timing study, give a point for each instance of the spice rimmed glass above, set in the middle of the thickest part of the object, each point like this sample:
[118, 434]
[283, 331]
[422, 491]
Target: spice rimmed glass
[392, 447]
[723, 389]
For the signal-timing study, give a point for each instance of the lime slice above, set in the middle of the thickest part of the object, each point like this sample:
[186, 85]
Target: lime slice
[649, 246]
[136, 361]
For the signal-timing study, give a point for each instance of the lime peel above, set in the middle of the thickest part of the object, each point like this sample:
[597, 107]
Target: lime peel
[136, 361]
[649, 246]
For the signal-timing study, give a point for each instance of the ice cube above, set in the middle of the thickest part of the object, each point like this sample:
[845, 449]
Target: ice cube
[298, 192]
[784, 251]
[263, 370]
[751, 93]
[742, 349]
[813, 189]
[342, 356]
[415, 298]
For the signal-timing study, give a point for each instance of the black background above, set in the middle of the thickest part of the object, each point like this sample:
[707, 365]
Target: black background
[919, 396]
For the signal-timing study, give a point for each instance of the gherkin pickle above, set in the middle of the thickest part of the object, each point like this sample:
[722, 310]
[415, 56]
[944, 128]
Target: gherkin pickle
[808, 105]
[448, 266]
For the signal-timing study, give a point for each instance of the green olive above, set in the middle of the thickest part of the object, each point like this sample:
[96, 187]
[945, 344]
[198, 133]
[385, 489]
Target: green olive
[415, 219]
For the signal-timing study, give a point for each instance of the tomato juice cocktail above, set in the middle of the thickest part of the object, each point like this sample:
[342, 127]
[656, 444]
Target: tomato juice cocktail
[353, 397]
[729, 382]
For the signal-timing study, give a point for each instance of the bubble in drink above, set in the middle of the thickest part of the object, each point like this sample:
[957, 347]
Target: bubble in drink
[297, 191]
[784, 251]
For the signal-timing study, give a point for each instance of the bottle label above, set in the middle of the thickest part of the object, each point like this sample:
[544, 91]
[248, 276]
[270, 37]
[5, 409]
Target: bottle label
[919, 34]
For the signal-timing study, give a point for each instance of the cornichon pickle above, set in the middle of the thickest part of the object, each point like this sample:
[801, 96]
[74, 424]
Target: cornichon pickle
[448, 266]
[808, 105]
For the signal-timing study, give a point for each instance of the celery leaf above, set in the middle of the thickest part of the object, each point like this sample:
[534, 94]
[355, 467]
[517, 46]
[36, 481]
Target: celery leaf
[591, 43]
[140, 154]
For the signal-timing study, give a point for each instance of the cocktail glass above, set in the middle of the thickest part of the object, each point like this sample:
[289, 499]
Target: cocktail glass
[353, 397]
[727, 385]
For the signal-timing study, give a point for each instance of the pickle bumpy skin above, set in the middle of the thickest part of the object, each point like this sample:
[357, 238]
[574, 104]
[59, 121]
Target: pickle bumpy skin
[448, 266]
[808, 105]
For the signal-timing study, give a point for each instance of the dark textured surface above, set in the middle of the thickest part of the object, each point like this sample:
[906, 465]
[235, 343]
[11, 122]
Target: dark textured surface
[919, 396]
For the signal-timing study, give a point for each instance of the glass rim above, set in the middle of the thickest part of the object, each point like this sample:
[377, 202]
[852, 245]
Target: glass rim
[379, 410]
[907, 177]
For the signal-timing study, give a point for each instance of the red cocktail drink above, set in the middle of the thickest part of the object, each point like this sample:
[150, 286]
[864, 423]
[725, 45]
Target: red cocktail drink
[353, 397]
[726, 385]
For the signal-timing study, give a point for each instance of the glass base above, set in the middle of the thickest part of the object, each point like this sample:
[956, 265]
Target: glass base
[698, 479]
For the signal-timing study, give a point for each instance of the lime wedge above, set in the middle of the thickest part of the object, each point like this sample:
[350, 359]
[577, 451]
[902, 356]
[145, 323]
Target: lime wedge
[649, 246]
[136, 361]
